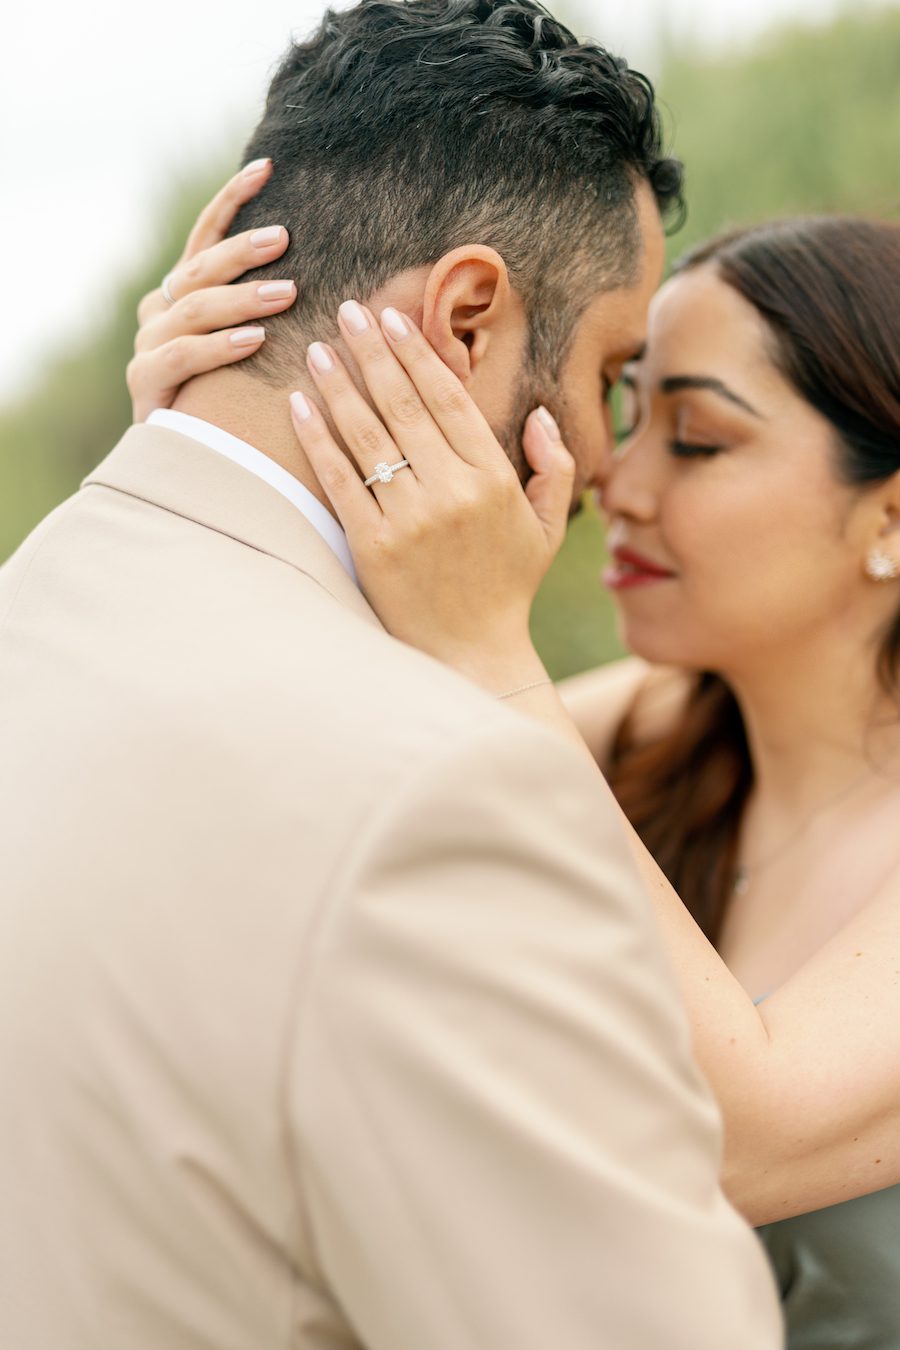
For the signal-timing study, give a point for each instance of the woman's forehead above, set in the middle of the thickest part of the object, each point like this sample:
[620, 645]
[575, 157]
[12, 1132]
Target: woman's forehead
[697, 316]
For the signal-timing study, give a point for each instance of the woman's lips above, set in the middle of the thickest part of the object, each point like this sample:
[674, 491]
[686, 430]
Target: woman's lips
[630, 569]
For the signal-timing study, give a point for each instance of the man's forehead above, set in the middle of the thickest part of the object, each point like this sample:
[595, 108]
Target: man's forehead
[622, 314]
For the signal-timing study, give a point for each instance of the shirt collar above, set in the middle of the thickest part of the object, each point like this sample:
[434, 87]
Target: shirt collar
[255, 462]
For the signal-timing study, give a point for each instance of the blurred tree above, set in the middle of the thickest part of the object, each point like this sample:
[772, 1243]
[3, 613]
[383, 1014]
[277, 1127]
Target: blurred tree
[79, 405]
[806, 120]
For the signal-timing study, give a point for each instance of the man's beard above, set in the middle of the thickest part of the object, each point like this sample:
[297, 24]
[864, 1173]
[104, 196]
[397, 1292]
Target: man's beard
[534, 387]
[531, 390]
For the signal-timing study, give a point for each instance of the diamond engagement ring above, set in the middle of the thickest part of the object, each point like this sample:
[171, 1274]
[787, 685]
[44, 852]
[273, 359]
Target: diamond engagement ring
[167, 289]
[384, 472]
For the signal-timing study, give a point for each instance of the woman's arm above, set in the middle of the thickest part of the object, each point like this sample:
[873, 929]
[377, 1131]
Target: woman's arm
[599, 701]
[808, 1084]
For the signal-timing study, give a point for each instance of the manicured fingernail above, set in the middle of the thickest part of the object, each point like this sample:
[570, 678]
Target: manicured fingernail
[354, 316]
[549, 424]
[321, 358]
[395, 325]
[300, 405]
[275, 290]
[254, 167]
[267, 237]
[247, 337]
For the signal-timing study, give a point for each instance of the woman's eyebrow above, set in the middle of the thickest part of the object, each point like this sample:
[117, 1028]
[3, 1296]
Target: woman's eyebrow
[672, 383]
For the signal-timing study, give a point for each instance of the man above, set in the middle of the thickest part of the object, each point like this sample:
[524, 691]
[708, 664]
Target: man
[333, 1011]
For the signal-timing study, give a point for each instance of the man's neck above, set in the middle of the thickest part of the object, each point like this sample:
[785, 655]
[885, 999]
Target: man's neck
[255, 413]
[260, 415]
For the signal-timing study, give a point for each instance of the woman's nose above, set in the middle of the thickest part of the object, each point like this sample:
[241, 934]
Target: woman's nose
[631, 487]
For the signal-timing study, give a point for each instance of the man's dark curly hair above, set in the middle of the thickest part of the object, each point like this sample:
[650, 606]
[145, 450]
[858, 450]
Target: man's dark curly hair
[404, 128]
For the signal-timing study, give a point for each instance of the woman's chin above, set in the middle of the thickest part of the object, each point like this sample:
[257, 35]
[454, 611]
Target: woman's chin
[657, 641]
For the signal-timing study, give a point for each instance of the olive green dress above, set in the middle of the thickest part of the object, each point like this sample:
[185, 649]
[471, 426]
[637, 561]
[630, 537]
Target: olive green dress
[838, 1270]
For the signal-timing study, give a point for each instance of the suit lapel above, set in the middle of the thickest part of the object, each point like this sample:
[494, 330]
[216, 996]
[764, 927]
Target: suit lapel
[180, 475]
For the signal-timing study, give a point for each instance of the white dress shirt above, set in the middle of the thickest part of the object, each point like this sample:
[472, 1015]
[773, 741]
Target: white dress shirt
[254, 461]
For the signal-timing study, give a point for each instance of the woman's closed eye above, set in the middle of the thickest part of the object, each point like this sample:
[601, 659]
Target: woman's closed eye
[683, 449]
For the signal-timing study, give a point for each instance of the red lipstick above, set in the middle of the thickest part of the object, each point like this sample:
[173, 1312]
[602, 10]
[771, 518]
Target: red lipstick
[630, 569]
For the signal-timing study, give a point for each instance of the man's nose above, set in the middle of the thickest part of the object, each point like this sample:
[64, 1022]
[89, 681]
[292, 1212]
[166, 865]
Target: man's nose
[605, 464]
[602, 462]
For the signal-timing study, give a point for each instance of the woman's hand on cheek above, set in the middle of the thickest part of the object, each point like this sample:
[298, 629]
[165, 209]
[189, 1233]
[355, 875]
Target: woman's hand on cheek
[208, 323]
[450, 551]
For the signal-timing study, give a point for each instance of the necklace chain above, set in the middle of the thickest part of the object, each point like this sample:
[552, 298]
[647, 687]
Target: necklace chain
[744, 872]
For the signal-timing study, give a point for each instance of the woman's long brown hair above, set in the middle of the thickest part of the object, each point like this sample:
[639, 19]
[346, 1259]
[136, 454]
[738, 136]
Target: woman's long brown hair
[829, 290]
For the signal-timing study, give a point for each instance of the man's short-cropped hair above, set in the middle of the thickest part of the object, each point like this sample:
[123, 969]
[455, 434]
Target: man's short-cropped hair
[402, 129]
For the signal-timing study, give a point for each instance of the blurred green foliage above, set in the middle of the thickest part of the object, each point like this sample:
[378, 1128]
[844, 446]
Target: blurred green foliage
[806, 120]
[79, 405]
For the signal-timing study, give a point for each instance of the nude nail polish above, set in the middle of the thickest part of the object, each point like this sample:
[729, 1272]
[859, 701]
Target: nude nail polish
[275, 290]
[395, 325]
[320, 357]
[247, 337]
[354, 317]
[300, 405]
[548, 422]
[267, 237]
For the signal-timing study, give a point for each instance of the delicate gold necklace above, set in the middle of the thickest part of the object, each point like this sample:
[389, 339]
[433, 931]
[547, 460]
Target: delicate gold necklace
[745, 872]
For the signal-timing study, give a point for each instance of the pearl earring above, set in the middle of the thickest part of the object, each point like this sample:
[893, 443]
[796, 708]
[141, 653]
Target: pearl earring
[880, 566]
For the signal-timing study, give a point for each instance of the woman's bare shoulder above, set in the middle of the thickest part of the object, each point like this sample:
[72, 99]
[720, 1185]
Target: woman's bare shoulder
[600, 699]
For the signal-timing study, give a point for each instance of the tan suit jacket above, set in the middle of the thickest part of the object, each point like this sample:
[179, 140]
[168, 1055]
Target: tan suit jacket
[331, 1009]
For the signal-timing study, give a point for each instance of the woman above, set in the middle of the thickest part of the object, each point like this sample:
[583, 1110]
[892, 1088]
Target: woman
[755, 742]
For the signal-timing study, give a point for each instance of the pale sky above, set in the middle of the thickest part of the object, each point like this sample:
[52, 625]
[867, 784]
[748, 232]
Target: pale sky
[102, 105]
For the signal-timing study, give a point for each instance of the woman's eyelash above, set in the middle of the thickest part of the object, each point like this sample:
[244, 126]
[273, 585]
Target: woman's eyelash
[687, 450]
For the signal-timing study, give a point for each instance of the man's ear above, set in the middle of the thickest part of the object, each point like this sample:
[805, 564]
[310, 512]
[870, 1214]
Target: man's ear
[468, 304]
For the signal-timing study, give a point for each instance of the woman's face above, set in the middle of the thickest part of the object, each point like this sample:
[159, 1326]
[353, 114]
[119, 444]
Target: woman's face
[731, 533]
